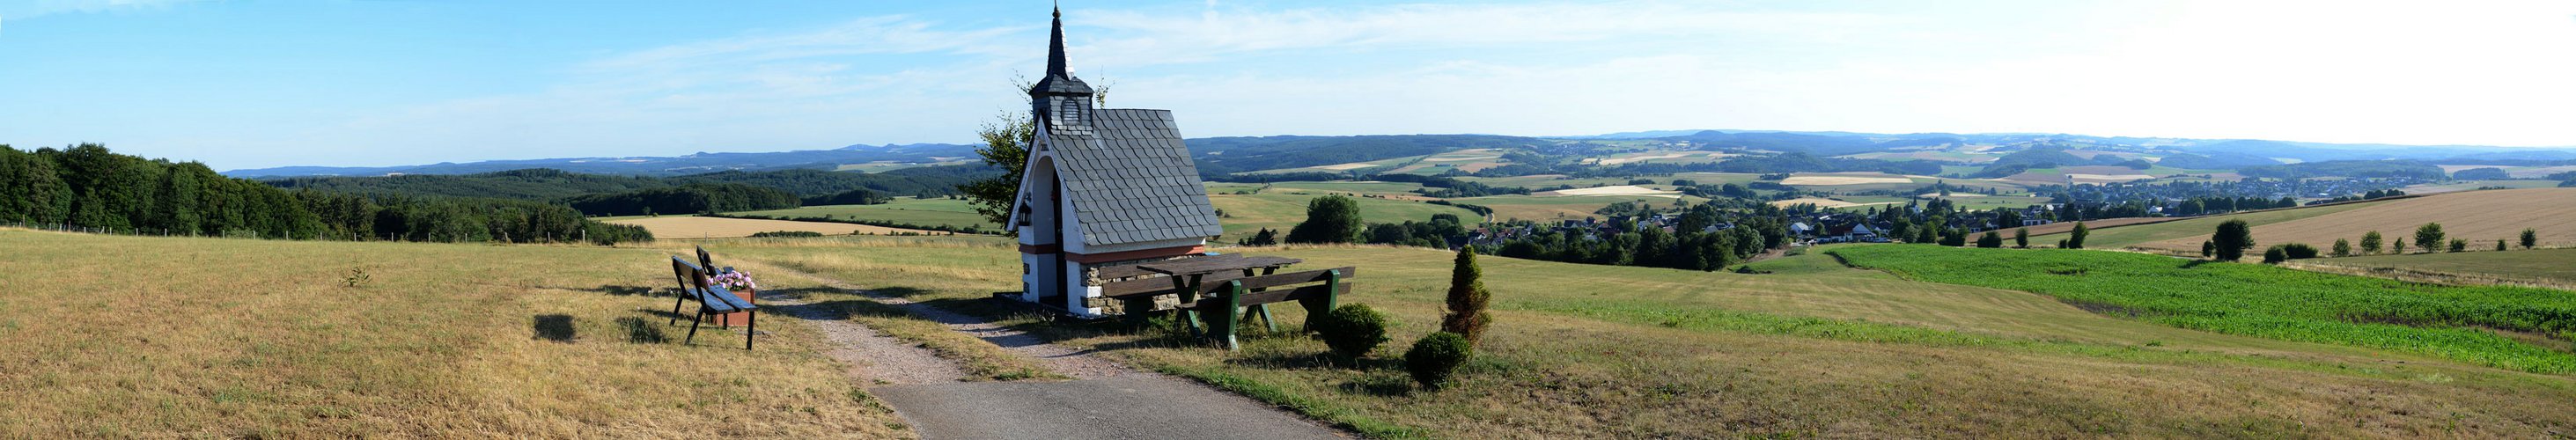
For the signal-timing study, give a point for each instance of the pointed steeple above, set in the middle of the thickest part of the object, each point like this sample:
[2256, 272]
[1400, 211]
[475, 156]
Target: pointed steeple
[1055, 48]
[1058, 99]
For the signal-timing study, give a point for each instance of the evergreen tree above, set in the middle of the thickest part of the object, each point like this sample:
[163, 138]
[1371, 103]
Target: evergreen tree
[2342, 248]
[2530, 238]
[1467, 299]
[2021, 238]
[2370, 243]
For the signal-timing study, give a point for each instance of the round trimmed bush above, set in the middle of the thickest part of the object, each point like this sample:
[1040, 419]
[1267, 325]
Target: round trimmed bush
[1436, 357]
[1352, 330]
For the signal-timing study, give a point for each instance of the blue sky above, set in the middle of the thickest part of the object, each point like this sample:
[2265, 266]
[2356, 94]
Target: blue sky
[240, 84]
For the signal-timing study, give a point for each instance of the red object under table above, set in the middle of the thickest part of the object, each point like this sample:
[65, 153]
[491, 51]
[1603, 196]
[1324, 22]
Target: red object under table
[736, 318]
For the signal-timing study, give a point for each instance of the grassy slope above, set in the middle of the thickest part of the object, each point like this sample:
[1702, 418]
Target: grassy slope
[2267, 301]
[125, 337]
[926, 212]
[1814, 348]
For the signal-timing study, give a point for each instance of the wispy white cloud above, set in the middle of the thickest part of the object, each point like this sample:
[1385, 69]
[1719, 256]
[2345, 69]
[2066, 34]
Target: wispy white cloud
[2322, 71]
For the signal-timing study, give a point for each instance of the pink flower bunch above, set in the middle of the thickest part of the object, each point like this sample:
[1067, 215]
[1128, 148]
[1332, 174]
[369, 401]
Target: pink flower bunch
[736, 280]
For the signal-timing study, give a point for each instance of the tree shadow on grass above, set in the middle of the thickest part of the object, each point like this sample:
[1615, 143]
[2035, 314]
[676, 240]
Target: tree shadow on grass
[796, 294]
[641, 332]
[553, 327]
[620, 290]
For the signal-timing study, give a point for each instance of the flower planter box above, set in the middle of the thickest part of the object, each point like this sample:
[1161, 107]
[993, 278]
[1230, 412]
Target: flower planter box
[737, 318]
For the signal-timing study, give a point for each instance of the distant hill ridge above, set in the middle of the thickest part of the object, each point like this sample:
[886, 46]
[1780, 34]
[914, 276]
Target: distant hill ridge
[1220, 155]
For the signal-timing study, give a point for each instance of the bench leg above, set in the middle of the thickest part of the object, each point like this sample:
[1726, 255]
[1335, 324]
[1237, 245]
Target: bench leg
[750, 325]
[693, 327]
[1225, 321]
[1263, 310]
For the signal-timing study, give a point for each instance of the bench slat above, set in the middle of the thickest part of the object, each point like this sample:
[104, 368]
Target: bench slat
[725, 299]
[683, 262]
[1213, 304]
[1214, 282]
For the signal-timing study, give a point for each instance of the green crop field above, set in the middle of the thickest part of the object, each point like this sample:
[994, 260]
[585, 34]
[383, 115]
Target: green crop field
[1812, 349]
[2267, 301]
[926, 212]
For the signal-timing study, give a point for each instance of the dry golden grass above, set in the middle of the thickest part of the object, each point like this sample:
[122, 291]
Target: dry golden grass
[199, 337]
[2481, 217]
[1824, 203]
[913, 258]
[677, 227]
[1830, 179]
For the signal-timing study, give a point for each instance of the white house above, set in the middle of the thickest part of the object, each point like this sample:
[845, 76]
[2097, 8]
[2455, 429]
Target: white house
[1102, 188]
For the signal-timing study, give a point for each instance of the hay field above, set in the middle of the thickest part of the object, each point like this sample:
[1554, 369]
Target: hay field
[1546, 208]
[2151, 229]
[918, 211]
[2548, 267]
[1835, 179]
[1621, 190]
[1814, 349]
[1281, 210]
[715, 227]
[1825, 203]
[125, 337]
[2477, 216]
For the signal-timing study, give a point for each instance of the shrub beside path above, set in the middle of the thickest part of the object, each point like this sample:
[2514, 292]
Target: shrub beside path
[1104, 399]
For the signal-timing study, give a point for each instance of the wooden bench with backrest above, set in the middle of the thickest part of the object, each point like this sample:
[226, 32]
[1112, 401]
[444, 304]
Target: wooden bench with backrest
[1221, 298]
[696, 282]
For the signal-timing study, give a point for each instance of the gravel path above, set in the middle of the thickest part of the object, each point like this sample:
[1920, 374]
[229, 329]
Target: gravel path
[1105, 401]
[872, 356]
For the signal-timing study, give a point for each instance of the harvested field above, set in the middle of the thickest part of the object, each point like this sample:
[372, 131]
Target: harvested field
[1622, 190]
[2108, 178]
[1347, 166]
[1824, 203]
[2477, 216]
[2063, 227]
[1827, 180]
[717, 227]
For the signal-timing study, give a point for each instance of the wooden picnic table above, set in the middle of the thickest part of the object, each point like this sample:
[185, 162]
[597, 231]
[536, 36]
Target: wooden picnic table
[1186, 274]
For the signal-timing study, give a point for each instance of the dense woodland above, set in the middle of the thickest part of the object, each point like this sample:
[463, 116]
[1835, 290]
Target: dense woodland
[547, 184]
[88, 186]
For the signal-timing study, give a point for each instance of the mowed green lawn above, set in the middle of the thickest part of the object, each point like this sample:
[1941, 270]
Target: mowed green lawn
[1812, 349]
[2459, 323]
[121, 337]
[1248, 214]
[925, 212]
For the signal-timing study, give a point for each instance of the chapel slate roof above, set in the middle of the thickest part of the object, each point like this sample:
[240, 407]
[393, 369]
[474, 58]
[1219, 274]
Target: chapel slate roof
[1131, 180]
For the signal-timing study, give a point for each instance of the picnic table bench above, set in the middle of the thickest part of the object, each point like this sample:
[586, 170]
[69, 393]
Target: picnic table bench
[713, 299]
[1218, 293]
